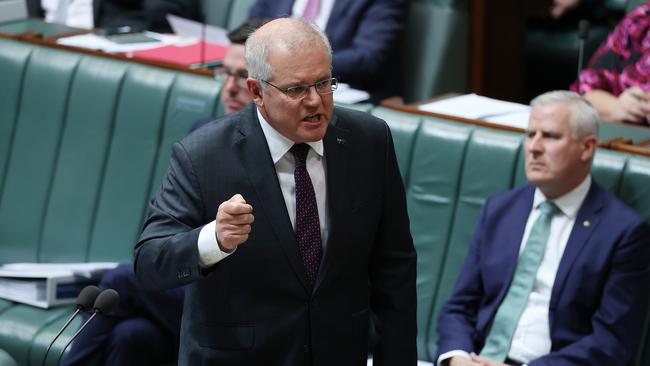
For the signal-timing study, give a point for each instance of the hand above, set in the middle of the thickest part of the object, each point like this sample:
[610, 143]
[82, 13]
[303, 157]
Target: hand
[633, 105]
[234, 219]
[481, 361]
[461, 361]
[560, 7]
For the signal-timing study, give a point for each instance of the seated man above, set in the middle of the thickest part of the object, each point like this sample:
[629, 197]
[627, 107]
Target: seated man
[144, 328]
[557, 270]
[364, 35]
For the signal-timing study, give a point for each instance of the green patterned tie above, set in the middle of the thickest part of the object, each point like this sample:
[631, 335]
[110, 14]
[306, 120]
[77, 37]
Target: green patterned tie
[505, 321]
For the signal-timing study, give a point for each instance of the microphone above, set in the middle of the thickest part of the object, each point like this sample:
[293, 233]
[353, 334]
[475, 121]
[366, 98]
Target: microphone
[105, 302]
[583, 31]
[85, 302]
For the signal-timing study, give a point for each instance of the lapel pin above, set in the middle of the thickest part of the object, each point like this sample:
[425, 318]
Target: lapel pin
[340, 141]
[586, 223]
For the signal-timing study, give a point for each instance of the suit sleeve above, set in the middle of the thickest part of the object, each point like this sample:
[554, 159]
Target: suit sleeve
[392, 274]
[373, 44]
[457, 320]
[615, 333]
[166, 255]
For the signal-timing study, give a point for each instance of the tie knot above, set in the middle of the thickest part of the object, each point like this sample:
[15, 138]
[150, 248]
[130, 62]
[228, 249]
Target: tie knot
[300, 151]
[548, 208]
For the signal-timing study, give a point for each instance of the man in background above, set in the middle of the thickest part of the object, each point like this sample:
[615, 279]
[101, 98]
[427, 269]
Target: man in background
[557, 270]
[144, 328]
[364, 35]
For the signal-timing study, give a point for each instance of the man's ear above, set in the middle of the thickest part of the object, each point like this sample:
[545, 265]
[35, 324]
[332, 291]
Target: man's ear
[255, 90]
[589, 144]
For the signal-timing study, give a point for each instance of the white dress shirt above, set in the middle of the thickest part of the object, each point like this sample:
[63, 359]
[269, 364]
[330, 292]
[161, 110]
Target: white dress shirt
[323, 15]
[532, 335]
[74, 13]
[279, 147]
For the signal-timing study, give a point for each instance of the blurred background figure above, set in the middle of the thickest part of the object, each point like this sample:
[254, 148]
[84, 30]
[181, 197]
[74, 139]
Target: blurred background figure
[617, 79]
[363, 33]
[139, 15]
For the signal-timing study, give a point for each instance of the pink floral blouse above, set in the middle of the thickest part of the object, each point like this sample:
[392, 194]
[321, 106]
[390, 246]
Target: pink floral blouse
[623, 60]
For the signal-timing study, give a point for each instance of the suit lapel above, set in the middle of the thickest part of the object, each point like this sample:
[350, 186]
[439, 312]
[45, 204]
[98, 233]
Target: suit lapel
[335, 142]
[586, 222]
[256, 158]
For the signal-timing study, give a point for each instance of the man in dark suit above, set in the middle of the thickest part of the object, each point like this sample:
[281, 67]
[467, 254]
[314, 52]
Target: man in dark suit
[287, 221]
[364, 35]
[557, 270]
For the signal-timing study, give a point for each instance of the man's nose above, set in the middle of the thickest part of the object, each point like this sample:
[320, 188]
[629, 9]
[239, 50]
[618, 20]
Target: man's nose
[312, 97]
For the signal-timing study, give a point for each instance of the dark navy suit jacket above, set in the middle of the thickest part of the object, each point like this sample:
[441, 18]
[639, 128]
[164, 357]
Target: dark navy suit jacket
[364, 35]
[599, 298]
[257, 307]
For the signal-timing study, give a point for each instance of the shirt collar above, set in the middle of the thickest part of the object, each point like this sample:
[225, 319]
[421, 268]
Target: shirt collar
[279, 145]
[569, 203]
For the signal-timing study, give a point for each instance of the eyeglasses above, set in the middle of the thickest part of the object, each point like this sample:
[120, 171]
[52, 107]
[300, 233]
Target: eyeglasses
[297, 92]
[222, 73]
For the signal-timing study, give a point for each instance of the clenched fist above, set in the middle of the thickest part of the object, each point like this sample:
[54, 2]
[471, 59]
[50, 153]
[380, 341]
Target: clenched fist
[234, 219]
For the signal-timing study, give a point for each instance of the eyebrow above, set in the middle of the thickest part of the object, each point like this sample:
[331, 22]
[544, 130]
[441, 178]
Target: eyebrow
[545, 133]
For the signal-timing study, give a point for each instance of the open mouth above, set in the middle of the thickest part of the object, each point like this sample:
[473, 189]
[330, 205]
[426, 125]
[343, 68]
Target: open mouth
[313, 118]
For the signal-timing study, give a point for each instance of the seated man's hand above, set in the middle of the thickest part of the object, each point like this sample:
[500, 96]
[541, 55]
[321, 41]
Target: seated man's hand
[233, 223]
[633, 106]
[461, 361]
[481, 361]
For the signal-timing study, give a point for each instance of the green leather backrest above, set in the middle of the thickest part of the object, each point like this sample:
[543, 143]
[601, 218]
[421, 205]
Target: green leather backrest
[216, 12]
[192, 97]
[435, 49]
[238, 13]
[82, 155]
[434, 177]
[130, 164]
[404, 127]
[631, 4]
[12, 68]
[35, 148]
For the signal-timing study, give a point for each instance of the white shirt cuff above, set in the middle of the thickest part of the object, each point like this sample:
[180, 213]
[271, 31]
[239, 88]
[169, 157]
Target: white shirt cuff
[450, 354]
[209, 251]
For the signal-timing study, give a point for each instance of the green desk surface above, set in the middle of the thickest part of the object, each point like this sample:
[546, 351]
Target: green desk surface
[35, 25]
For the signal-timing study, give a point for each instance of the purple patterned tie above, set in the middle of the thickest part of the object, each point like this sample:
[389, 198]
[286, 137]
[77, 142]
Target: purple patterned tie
[307, 223]
[311, 10]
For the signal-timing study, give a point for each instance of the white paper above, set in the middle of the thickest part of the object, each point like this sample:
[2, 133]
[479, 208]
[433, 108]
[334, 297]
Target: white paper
[95, 42]
[347, 95]
[473, 106]
[189, 28]
[514, 119]
[47, 270]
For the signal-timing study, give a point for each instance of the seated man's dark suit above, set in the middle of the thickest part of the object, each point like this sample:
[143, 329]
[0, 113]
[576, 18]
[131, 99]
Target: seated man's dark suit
[599, 298]
[257, 307]
[364, 35]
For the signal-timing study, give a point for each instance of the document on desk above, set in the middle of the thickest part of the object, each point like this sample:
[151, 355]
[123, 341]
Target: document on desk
[474, 106]
[48, 284]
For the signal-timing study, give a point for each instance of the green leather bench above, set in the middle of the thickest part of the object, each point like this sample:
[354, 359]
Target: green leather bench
[84, 140]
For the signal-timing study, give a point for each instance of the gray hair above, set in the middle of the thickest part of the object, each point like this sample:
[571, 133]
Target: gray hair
[258, 44]
[583, 117]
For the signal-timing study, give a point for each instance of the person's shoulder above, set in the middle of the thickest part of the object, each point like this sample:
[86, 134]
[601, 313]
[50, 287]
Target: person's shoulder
[614, 207]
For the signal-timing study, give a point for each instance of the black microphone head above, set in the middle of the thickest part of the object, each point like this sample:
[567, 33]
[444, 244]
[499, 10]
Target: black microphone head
[87, 297]
[106, 301]
[583, 29]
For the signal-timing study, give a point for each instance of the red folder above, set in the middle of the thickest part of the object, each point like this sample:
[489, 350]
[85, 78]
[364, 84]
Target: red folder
[190, 55]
